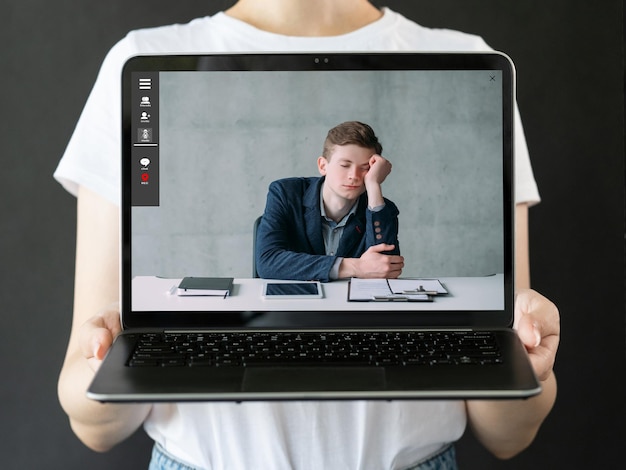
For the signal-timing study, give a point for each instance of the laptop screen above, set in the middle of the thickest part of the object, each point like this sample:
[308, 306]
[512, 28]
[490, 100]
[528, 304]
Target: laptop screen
[204, 136]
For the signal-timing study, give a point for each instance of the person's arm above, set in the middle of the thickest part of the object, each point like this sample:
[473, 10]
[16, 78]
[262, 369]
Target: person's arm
[380, 168]
[374, 263]
[94, 325]
[381, 213]
[281, 252]
[381, 226]
[507, 427]
[289, 243]
[522, 262]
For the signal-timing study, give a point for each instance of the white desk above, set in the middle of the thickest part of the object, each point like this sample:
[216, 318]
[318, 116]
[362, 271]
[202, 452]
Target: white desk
[465, 293]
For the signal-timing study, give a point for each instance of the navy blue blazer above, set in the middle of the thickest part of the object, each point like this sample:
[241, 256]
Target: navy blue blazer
[290, 244]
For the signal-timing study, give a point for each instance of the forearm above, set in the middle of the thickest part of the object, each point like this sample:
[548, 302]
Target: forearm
[522, 261]
[286, 264]
[507, 427]
[382, 227]
[348, 268]
[374, 195]
[99, 426]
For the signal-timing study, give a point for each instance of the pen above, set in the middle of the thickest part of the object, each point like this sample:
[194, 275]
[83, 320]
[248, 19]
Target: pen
[392, 297]
[420, 291]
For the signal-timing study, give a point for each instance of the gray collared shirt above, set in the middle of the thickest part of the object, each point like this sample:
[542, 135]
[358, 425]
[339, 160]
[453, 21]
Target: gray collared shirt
[332, 231]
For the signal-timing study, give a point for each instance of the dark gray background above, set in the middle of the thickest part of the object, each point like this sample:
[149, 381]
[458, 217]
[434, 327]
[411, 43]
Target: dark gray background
[570, 92]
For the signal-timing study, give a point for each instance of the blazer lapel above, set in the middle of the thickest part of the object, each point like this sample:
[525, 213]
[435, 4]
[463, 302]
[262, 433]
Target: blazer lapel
[313, 217]
[353, 232]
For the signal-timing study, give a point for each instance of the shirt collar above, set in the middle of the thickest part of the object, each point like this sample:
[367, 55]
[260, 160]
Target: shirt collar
[345, 217]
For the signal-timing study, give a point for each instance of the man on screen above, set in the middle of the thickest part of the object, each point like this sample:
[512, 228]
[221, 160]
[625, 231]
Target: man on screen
[337, 225]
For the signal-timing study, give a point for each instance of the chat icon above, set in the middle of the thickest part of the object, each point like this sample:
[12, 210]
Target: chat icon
[144, 161]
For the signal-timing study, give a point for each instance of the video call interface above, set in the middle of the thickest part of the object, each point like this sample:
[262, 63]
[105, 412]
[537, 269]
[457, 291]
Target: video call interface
[208, 144]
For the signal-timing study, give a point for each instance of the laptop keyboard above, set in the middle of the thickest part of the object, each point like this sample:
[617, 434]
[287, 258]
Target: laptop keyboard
[404, 348]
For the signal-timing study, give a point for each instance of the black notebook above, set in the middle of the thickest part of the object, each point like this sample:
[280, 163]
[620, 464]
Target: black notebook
[205, 286]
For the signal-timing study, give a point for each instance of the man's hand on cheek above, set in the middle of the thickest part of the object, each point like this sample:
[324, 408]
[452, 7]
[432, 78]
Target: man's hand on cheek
[380, 168]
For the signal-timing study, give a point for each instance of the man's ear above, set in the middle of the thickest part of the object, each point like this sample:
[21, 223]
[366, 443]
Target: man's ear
[321, 165]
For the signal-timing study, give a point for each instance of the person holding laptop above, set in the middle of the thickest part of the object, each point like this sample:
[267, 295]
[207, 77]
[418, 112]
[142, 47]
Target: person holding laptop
[335, 226]
[351, 434]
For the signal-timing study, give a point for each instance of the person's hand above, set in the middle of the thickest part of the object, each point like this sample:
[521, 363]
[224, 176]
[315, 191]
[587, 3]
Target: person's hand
[376, 264]
[97, 334]
[537, 323]
[380, 168]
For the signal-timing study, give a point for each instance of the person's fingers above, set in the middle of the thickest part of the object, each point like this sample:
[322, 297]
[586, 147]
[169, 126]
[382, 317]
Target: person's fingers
[528, 331]
[88, 337]
[101, 341]
[395, 274]
[537, 323]
[535, 314]
[381, 247]
[97, 334]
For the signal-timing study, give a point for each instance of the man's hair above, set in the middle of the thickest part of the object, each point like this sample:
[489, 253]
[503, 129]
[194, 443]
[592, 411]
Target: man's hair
[351, 132]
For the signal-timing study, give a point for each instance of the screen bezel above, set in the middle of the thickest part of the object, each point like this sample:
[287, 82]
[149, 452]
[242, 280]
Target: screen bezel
[322, 62]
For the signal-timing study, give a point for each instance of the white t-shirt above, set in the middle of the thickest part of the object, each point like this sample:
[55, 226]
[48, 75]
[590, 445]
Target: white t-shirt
[259, 435]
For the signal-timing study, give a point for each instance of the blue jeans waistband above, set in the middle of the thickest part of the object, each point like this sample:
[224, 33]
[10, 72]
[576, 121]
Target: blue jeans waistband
[445, 459]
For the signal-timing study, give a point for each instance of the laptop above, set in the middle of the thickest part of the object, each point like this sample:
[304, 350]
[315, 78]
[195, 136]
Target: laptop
[205, 135]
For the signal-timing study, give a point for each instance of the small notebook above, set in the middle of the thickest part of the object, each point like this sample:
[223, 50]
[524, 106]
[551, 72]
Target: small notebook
[220, 286]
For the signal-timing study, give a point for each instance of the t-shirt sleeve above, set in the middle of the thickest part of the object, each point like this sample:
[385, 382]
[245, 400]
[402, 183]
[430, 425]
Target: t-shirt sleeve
[526, 190]
[92, 157]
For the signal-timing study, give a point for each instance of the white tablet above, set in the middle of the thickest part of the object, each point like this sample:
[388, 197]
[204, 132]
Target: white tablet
[292, 290]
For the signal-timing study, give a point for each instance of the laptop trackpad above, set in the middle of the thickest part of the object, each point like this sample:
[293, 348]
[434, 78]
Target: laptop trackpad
[302, 379]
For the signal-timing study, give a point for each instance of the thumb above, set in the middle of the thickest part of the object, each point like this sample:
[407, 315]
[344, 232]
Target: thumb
[524, 322]
[101, 342]
[96, 335]
[382, 247]
[528, 329]
[96, 342]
